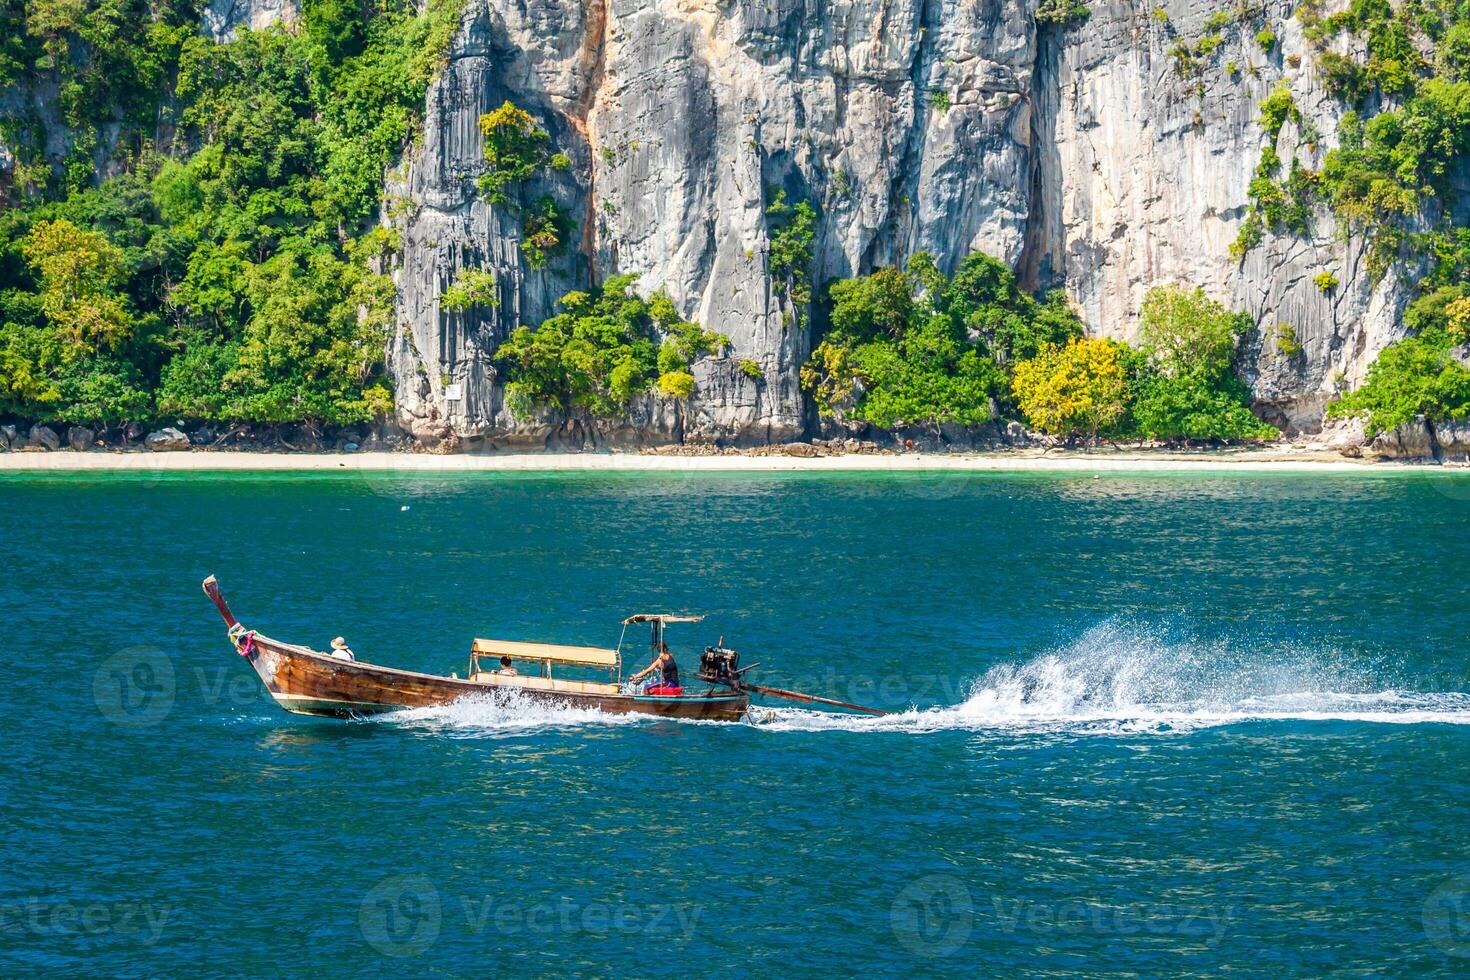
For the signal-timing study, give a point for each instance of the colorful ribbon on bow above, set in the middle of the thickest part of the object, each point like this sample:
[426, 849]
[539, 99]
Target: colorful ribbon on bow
[244, 642]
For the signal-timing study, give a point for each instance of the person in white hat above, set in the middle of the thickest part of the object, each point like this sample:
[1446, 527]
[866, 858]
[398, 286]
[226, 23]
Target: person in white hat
[340, 651]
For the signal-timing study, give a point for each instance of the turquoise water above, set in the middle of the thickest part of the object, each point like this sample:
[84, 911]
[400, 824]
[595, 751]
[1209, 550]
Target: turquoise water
[1148, 724]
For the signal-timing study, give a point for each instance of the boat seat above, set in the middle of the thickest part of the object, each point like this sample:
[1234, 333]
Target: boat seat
[532, 683]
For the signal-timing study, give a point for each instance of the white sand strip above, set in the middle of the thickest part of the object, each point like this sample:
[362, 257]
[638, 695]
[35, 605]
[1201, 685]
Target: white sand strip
[1275, 461]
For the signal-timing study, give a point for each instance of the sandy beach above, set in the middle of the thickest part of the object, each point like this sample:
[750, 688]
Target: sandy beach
[1258, 460]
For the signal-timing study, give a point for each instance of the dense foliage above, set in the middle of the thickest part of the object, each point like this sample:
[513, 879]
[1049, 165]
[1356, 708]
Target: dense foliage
[1417, 376]
[912, 346]
[602, 350]
[1180, 384]
[231, 280]
[1185, 385]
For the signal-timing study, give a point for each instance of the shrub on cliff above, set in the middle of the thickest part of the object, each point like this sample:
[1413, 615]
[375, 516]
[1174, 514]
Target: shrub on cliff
[516, 150]
[792, 230]
[602, 350]
[1417, 376]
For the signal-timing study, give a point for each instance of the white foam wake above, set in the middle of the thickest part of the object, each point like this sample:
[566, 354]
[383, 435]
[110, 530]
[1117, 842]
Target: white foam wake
[504, 714]
[1120, 678]
[1117, 678]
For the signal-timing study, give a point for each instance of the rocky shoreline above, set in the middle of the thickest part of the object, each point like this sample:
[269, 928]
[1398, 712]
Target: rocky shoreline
[43, 448]
[1419, 441]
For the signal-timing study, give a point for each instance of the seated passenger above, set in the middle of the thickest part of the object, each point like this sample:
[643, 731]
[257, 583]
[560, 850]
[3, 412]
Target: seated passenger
[340, 651]
[506, 668]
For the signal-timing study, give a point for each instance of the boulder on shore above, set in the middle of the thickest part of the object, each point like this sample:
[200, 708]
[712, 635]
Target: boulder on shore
[80, 439]
[45, 436]
[1453, 438]
[166, 440]
[800, 449]
[7, 437]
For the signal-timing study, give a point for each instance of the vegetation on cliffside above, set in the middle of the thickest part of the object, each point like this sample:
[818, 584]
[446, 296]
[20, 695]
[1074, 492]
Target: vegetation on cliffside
[1417, 376]
[912, 347]
[226, 275]
[602, 350]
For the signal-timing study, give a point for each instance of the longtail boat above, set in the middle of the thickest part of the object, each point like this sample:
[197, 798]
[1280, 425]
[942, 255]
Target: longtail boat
[310, 682]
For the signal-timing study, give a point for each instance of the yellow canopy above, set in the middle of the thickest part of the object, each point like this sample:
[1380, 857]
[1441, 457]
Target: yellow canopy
[586, 656]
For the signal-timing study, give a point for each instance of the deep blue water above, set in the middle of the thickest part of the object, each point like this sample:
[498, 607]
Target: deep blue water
[1151, 724]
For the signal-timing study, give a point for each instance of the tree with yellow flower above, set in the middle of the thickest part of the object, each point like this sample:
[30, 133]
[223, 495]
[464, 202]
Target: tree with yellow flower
[1077, 390]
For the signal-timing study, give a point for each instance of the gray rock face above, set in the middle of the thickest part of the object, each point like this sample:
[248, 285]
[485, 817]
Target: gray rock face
[45, 437]
[1454, 441]
[681, 123]
[166, 440]
[1144, 180]
[80, 439]
[223, 17]
[1440, 441]
[1080, 156]
[1413, 440]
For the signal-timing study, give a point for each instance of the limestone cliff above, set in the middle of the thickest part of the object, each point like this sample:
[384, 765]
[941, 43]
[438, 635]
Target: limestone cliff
[1080, 155]
[1143, 179]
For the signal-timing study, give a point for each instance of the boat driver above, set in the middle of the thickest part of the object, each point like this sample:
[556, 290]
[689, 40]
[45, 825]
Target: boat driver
[664, 664]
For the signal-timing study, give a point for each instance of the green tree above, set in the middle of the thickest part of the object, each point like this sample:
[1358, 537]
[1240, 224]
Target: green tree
[1185, 386]
[337, 25]
[913, 346]
[602, 350]
[80, 274]
[984, 297]
[1417, 376]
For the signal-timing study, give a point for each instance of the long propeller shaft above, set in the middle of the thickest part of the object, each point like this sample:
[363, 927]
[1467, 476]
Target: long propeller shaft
[776, 692]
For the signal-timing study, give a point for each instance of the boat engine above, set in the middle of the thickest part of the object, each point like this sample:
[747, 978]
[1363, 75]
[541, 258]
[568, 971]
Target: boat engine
[721, 665]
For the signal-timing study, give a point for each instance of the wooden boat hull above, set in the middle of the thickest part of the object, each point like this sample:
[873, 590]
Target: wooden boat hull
[310, 683]
[306, 682]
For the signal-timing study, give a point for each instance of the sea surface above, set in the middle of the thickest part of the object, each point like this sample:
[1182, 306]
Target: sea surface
[1145, 724]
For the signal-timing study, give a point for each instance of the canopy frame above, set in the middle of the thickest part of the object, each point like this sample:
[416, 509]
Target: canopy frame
[546, 654]
[658, 622]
